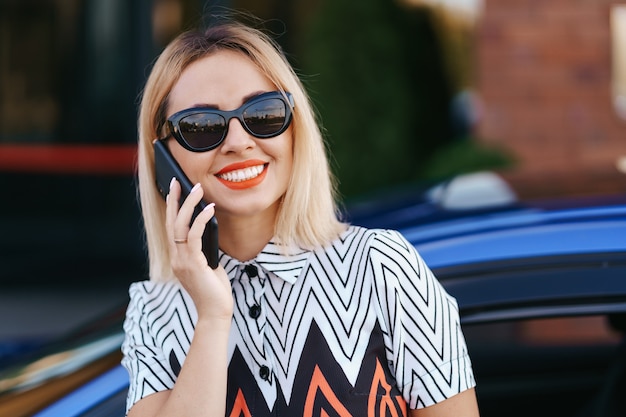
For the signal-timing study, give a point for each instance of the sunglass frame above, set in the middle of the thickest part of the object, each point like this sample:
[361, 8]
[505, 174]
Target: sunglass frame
[173, 122]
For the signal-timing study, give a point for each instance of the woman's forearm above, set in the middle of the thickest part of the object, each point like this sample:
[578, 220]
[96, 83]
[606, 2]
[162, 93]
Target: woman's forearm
[200, 389]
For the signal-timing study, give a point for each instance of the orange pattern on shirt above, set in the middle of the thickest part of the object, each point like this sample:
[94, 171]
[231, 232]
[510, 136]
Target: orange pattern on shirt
[320, 384]
[386, 403]
[240, 407]
[379, 405]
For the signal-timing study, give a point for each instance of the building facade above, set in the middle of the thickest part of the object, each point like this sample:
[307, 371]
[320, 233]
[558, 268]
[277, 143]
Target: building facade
[548, 75]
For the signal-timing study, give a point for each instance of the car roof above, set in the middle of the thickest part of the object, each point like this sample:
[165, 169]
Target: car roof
[522, 233]
[477, 217]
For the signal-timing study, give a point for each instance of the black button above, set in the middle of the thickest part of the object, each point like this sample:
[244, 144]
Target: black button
[264, 372]
[255, 311]
[251, 271]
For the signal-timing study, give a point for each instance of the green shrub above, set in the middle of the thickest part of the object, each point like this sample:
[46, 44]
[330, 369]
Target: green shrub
[376, 76]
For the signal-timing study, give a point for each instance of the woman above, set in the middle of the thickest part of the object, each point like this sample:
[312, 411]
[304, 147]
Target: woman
[305, 316]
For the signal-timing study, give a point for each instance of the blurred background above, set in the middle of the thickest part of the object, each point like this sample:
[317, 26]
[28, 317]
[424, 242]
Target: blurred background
[409, 92]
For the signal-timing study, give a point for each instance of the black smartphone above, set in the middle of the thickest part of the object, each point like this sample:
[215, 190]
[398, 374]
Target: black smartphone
[166, 168]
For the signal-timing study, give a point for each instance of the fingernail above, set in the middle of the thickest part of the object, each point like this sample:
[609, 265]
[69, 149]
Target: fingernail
[195, 187]
[172, 182]
[209, 206]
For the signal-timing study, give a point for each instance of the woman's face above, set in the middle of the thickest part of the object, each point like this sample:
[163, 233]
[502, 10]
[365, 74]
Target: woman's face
[244, 176]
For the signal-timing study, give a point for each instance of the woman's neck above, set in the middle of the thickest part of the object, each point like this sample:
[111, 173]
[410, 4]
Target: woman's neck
[243, 238]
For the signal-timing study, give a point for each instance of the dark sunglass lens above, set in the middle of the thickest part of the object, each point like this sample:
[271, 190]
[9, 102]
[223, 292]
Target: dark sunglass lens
[202, 130]
[266, 117]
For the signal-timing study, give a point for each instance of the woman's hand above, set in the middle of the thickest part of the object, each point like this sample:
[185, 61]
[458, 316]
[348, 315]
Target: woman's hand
[209, 288]
[200, 388]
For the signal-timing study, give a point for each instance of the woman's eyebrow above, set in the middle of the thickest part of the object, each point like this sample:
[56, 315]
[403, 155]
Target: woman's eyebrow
[244, 99]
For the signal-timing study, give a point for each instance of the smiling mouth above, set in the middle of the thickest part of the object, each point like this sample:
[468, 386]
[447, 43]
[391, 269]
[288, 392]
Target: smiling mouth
[241, 175]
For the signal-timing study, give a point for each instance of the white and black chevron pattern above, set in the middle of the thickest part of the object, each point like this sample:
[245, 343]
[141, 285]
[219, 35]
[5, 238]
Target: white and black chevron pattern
[367, 279]
[421, 324]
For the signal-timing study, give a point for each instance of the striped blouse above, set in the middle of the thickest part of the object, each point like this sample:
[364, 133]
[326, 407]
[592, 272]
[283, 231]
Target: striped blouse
[358, 328]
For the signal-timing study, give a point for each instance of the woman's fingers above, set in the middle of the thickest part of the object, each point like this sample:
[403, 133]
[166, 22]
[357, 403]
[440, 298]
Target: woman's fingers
[171, 212]
[186, 237]
[200, 223]
[185, 212]
[178, 215]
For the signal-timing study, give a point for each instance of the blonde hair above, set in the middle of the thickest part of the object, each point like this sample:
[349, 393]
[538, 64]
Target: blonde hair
[308, 215]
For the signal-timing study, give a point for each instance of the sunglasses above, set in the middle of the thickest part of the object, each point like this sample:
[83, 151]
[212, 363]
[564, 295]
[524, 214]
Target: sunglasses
[200, 129]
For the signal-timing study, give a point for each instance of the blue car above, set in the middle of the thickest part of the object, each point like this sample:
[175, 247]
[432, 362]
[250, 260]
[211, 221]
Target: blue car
[541, 289]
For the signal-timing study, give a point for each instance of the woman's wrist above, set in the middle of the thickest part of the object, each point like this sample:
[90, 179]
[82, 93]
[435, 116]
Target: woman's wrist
[214, 323]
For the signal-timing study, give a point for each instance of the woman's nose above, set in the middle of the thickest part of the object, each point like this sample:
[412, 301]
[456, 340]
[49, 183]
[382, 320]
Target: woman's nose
[237, 138]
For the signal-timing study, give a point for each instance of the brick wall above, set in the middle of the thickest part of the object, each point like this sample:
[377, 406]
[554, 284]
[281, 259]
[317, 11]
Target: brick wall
[544, 78]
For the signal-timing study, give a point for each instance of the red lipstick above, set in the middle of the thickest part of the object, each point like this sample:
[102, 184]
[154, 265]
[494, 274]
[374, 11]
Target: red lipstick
[242, 175]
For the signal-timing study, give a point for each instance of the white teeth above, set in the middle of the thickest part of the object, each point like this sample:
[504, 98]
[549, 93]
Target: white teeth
[242, 174]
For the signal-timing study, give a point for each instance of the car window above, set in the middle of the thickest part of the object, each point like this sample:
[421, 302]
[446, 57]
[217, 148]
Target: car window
[559, 331]
[570, 365]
